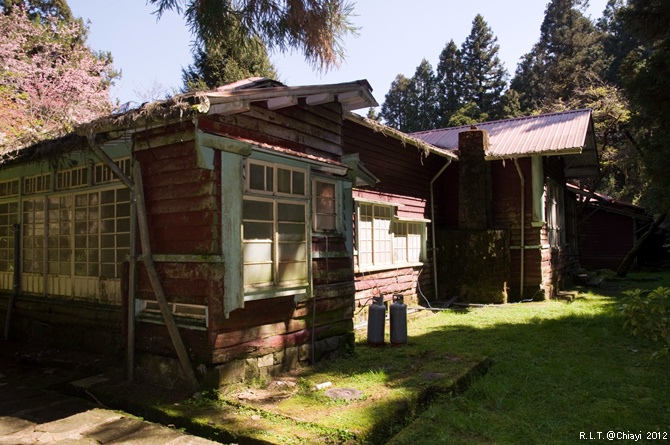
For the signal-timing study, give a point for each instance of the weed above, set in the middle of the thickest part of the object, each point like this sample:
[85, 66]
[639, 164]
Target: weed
[647, 314]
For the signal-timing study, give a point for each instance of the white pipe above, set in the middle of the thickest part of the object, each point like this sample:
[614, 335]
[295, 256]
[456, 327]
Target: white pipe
[432, 224]
[522, 245]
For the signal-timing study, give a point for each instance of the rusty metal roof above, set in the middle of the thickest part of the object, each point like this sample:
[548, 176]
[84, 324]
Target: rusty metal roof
[563, 133]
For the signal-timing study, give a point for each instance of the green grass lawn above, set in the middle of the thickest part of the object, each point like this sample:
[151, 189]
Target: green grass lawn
[556, 372]
[559, 369]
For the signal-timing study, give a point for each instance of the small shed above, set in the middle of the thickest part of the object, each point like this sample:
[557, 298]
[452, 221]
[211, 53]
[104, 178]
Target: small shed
[608, 229]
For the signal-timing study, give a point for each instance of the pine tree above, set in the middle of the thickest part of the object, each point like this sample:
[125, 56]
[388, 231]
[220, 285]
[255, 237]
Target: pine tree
[568, 56]
[226, 60]
[645, 74]
[394, 108]
[422, 105]
[315, 27]
[449, 83]
[484, 76]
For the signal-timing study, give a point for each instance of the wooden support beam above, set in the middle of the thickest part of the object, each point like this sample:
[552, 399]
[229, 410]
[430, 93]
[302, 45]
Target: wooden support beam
[104, 157]
[318, 99]
[155, 279]
[282, 102]
[235, 107]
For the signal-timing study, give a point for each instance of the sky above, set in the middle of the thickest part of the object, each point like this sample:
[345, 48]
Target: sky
[394, 36]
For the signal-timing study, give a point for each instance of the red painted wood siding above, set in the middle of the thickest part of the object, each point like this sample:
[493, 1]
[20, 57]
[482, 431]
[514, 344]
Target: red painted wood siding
[605, 239]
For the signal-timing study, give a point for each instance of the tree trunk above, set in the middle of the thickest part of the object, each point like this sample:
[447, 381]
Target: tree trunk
[622, 271]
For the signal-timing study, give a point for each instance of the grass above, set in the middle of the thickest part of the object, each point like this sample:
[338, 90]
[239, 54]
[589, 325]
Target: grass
[554, 370]
[559, 369]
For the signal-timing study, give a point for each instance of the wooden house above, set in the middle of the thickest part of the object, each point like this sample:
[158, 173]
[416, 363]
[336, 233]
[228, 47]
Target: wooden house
[217, 226]
[608, 229]
[392, 215]
[507, 229]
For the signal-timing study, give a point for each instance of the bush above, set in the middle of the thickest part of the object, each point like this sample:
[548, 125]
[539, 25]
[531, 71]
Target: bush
[646, 313]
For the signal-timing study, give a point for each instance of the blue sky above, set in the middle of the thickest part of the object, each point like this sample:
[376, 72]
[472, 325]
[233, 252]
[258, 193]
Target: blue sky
[394, 36]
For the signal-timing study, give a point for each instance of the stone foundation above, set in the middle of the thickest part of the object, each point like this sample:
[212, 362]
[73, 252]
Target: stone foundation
[166, 371]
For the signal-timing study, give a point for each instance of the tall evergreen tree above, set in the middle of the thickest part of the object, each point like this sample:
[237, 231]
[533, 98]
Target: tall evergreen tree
[422, 95]
[316, 27]
[568, 56]
[394, 108]
[484, 76]
[226, 60]
[646, 73]
[449, 83]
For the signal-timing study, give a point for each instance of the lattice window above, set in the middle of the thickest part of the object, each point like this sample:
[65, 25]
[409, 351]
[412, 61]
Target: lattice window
[9, 188]
[59, 245]
[33, 235]
[37, 184]
[9, 215]
[384, 240]
[73, 178]
[325, 206]
[103, 174]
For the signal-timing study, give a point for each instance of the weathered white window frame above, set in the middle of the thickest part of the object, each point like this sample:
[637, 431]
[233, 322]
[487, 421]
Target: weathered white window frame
[325, 206]
[384, 241]
[283, 191]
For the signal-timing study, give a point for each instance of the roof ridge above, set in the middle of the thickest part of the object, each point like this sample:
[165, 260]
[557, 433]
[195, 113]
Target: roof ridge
[511, 119]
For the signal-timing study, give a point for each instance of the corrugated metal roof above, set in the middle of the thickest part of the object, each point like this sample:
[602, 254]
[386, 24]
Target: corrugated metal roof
[553, 133]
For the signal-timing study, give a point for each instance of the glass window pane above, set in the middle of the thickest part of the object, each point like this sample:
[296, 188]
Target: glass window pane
[258, 210]
[291, 232]
[257, 177]
[291, 212]
[254, 252]
[289, 272]
[292, 251]
[257, 274]
[283, 180]
[325, 222]
[298, 183]
[257, 230]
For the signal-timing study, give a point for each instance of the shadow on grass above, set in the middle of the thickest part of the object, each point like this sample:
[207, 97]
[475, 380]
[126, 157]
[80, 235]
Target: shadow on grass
[554, 369]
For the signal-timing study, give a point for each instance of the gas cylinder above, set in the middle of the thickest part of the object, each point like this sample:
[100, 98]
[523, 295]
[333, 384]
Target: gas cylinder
[398, 315]
[376, 321]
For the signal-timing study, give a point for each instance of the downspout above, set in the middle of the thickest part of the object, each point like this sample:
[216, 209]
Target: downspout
[522, 245]
[132, 271]
[432, 224]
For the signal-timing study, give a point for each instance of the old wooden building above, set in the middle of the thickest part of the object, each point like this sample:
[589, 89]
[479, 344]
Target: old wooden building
[608, 229]
[508, 227]
[240, 232]
[217, 226]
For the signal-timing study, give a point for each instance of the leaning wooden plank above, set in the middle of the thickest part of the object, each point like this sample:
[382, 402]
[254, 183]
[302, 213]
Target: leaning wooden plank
[155, 280]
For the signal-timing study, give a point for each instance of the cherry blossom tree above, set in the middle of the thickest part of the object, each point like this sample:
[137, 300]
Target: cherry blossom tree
[50, 81]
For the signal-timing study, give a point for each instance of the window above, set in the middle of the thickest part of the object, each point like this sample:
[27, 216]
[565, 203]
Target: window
[103, 174]
[555, 214]
[384, 240]
[325, 206]
[9, 188]
[76, 177]
[37, 184]
[9, 215]
[274, 227]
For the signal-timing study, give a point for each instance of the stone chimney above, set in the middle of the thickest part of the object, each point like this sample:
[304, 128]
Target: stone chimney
[474, 191]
